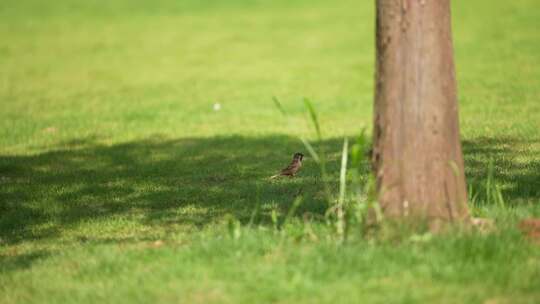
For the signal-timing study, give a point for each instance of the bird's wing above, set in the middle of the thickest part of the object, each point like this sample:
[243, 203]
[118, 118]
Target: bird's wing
[290, 168]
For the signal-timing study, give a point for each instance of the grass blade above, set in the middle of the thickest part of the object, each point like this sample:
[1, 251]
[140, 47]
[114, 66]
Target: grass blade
[342, 190]
[310, 149]
[296, 203]
[313, 116]
[279, 106]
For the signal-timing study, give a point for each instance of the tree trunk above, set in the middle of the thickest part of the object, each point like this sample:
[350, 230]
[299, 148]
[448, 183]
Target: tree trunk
[417, 152]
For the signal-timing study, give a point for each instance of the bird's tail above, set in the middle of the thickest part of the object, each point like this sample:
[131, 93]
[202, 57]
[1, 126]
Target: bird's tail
[274, 176]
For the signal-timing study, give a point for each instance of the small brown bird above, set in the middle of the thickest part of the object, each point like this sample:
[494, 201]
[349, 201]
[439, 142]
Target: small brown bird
[292, 168]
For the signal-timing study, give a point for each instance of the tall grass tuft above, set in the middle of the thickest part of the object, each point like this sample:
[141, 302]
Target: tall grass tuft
[487, 193]
[356, 197]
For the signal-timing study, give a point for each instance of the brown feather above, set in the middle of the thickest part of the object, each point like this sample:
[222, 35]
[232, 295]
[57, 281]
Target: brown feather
[292, 168]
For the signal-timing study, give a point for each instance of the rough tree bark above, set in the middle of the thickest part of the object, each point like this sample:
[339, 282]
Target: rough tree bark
[417, 153]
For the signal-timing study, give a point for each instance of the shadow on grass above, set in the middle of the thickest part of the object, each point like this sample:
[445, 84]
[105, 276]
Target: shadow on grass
[10, 263]
[194, 181]
[516, 166]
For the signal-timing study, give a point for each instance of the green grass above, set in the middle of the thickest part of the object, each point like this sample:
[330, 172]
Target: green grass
[120, 183]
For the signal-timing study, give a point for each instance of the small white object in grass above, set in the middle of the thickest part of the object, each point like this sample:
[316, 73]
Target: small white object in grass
[217, 106]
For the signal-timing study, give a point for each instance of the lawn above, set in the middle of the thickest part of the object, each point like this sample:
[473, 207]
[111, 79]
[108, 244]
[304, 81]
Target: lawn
[121, 183]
